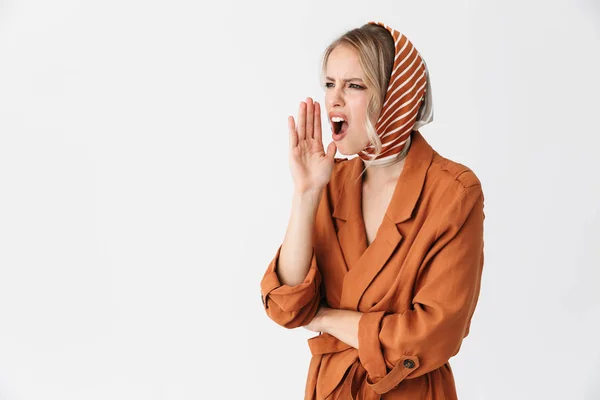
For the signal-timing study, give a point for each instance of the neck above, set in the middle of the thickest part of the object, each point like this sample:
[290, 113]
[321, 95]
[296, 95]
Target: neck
[383, 174]
[384, 171]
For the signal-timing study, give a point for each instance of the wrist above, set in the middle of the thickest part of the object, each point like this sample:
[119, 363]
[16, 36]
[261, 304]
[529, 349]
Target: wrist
[324, 320]
[306, 201]
[308, 193]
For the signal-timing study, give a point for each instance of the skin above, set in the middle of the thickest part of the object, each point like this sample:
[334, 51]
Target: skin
[311, 166]
[346, 92]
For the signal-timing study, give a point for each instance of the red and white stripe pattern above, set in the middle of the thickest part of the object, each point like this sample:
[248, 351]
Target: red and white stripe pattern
[403, 99]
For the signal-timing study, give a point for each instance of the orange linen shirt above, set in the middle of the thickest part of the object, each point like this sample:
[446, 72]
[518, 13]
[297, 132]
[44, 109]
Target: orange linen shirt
[417, 283]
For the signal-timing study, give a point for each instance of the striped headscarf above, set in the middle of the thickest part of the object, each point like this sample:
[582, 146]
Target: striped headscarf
[408, 103]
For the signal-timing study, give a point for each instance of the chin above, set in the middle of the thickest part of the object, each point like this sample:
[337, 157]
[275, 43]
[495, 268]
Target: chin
[349, 148]
[345, 152]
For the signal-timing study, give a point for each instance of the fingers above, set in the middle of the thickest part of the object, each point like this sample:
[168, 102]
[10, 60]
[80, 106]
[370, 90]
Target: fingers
[293, 133]
[331, 150]
[310, 108]
[301, 129]
[317, 122]
[309, 121]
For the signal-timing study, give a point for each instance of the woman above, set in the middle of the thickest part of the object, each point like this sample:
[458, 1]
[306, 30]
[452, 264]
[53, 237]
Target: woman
[383, 253]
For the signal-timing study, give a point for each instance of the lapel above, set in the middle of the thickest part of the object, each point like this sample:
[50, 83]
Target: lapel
[348, 211]
[363, 262]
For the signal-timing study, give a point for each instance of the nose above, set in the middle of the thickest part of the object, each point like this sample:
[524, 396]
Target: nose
[335, 96]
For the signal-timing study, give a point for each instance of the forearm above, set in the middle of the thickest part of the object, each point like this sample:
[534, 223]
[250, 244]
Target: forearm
[297, 247]
[343, 324]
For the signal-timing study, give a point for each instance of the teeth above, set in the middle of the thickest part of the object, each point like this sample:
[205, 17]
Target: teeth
[337, 119]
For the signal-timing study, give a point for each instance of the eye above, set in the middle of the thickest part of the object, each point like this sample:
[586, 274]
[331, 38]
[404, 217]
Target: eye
[355, 86]
[328, 84]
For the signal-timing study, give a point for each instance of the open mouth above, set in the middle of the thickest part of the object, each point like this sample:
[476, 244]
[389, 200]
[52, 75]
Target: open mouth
[339, 125]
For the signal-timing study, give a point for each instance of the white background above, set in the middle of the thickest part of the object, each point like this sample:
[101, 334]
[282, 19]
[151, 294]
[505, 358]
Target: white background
[144, 187]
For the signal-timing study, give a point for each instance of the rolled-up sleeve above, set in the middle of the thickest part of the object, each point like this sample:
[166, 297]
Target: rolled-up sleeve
[291, 306]
[398, 346]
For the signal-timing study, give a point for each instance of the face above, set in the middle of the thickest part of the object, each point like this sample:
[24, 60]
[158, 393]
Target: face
[346, 98]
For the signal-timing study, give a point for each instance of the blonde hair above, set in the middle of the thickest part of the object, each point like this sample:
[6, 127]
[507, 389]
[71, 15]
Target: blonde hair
[376, 50]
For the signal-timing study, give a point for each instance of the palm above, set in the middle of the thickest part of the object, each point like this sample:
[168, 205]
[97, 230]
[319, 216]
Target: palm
[311, 166]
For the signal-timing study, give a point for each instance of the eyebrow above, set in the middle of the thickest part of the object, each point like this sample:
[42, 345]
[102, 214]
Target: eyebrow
[345, 80]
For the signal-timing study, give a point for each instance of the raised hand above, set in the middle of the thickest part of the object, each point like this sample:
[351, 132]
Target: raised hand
[310, 165]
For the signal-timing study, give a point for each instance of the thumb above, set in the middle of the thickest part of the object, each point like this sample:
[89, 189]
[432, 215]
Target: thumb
[331, 148]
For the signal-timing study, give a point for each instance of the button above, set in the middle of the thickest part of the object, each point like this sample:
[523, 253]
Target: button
[409, 363]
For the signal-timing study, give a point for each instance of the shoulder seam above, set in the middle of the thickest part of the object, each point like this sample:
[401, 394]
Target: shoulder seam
[441, 161]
